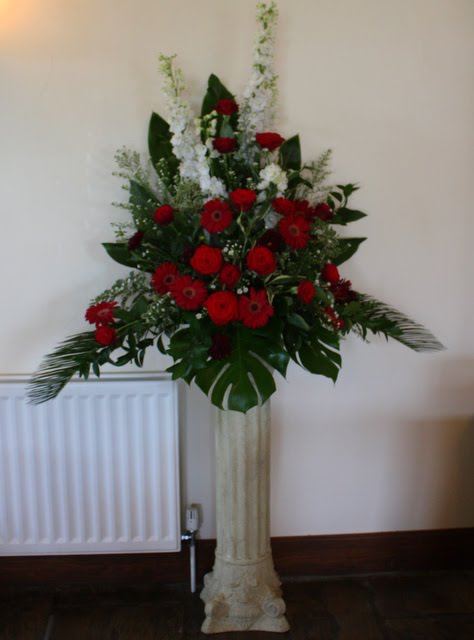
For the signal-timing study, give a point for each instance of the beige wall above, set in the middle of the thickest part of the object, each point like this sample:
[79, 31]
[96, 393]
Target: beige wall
[388, 86]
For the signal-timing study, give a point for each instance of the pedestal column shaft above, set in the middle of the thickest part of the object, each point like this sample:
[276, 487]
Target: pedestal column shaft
[243, 591]
[243, 484]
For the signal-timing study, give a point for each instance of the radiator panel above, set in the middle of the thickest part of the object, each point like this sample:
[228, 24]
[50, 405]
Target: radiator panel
[94, 471]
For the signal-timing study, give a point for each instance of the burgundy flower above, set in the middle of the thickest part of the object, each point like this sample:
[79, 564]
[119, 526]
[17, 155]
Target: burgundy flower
[272, 240]
[135, 241]
[342, 292]
[221, 347]
[322, 211]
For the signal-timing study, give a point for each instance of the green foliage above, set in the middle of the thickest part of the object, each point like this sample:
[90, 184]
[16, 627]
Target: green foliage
[346, 249]
[314, 348]
[372, 315]
[76, 354]
[119, 252]
[159, 144]
[215, 91]
[290, 154]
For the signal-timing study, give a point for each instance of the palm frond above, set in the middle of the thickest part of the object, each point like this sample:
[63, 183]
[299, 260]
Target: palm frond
[398, 326]
[73, 355]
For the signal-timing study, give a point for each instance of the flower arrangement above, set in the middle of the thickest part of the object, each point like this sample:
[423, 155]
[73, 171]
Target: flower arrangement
[234, 252]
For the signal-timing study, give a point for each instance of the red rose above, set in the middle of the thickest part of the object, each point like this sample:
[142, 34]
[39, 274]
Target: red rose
[188, 293]
[226, 106]
[261, 260]
[216, 216]
[106, 335]
[330, 273]
[338, 323]
[229, 275]
[306, 291]
[255, 310]
[101, 313]
[164, 214]
[224, 145]
[222, 307]
[206, 260]
[221, 347]
[294, 229]
[243, 199]
[283, 206]
[270, 141]
[164, 276]
[135, 241]
[322, 211]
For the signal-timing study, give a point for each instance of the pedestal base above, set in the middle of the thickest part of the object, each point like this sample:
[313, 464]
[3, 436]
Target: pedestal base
[243, 596]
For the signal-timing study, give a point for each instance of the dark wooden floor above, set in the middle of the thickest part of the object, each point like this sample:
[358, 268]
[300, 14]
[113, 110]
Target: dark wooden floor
[428, 606]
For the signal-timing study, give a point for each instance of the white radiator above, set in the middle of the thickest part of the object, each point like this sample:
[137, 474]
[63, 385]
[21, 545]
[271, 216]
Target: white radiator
[93, 471]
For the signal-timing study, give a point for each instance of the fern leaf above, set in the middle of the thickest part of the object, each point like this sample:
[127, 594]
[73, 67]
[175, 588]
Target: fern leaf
[71, 356]
[398, 326]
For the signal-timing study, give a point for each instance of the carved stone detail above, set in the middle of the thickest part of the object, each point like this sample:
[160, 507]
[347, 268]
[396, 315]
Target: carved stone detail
[242, 592]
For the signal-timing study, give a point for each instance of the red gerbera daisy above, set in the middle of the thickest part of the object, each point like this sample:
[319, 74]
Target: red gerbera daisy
[188, 293]
[255, 310]
[101, 313]
[217, 216]
[294, 229]
[164, 276]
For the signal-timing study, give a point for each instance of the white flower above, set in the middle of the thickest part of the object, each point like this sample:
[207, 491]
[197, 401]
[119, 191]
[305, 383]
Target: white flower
[186, 140]
[258, 107]
[273, 174]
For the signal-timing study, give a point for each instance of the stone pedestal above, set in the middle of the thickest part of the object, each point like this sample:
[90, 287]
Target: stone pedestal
[242, 593]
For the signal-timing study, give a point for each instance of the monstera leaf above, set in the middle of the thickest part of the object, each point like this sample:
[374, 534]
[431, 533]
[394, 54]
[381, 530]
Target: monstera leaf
[238, 382]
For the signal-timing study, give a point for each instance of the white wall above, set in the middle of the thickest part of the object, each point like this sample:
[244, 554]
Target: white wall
[388, 86]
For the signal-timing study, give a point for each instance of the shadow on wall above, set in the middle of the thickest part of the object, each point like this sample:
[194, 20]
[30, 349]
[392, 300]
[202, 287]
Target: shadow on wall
[437, 485]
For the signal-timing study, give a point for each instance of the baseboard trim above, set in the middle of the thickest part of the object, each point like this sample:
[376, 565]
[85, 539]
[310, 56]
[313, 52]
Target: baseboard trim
[346, 554]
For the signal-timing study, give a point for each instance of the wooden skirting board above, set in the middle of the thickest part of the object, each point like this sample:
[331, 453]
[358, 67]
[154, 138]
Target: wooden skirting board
[346, 554]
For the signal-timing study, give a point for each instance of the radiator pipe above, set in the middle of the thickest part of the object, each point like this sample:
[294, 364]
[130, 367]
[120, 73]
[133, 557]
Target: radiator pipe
[190, 538]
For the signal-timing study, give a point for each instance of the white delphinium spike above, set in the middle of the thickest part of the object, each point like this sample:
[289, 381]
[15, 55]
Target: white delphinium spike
[258, 107]
[185, 139]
